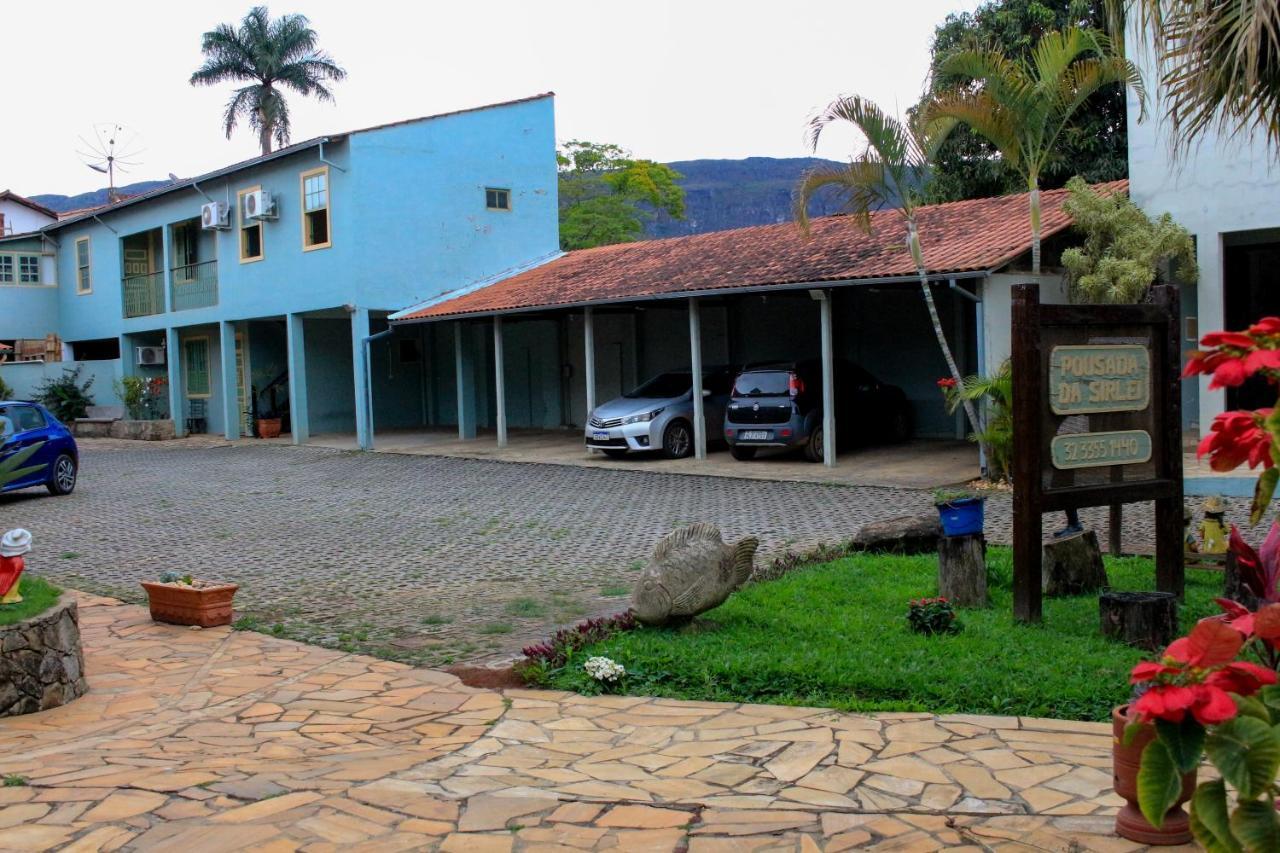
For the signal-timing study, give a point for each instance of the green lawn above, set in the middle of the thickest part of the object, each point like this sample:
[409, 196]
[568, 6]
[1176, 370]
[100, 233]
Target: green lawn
[38, 595]
[835, 635]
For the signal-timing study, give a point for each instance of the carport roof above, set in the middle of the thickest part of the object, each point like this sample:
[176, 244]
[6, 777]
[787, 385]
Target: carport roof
[978, 235]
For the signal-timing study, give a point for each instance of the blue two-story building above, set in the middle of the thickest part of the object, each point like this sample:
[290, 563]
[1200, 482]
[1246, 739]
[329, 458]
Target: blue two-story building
[254, 289]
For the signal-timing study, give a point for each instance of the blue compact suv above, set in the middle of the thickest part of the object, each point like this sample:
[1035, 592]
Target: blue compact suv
[36, 450]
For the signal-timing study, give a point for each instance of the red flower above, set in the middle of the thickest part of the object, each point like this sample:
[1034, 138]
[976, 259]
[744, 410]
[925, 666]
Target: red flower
[1235, 438]
[1229, 373]
[946, 382]
[1266, 326]
[1239, 340]
[1260, 571]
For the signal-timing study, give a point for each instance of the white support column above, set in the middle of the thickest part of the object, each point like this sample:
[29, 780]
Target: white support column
[695, 364]
[360, 373]
[499, 382]
[589, 335]
[230, 381]
[466, 384]
[295, 344]
[828, 383]
[173, 361]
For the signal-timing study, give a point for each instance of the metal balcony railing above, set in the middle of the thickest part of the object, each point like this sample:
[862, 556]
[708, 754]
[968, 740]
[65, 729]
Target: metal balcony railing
[143, 294]
[194, 286]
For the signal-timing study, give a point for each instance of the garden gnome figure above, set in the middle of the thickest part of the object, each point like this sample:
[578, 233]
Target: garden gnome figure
[1189, 542]
[1213, 530]
[13, 545]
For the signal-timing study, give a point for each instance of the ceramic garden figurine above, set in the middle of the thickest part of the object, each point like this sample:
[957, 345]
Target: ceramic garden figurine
[1189, 542]
[1213, 530]
[13, 545]
[692, 570]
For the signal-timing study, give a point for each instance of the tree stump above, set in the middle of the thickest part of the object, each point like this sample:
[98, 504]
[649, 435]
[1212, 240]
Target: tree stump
[1233, 586]
[1072, 565]
[1148, 620]
[962, 570]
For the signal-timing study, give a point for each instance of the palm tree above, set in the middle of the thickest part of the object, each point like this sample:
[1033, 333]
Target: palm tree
[1219, 62]
[1023, 107]
[891, 170]
[271, 55]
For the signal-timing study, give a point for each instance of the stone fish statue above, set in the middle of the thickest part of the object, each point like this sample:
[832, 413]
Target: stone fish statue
[692, 570]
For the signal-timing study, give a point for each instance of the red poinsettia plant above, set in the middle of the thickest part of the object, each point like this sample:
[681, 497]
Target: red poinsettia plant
[1242, 437]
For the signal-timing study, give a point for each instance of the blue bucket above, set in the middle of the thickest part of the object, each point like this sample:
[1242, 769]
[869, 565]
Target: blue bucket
[961, 517]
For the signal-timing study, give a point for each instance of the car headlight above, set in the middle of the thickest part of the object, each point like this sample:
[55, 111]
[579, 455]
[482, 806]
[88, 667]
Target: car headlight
[642, 419]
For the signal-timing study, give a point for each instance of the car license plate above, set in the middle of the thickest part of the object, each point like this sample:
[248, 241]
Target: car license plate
[600, 436]
[754, 435]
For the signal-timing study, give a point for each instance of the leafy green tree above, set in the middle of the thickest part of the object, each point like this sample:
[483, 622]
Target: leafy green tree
[893, 169]
[270, 56]
[606, 195]
[1125, 251]
[1219, 63]
[1024, 107]
[1095, 146]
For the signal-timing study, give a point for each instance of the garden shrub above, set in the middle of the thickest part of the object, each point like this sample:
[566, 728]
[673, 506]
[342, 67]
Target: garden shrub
[931, 616]
[66, 397]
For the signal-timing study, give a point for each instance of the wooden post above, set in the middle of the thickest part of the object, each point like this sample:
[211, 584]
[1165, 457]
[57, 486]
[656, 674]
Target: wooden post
[1167, 445]
[1027, 405]
[1115, 522]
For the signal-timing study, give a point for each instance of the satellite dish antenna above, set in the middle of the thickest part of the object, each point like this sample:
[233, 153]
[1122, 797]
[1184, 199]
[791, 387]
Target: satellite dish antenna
[110, 148]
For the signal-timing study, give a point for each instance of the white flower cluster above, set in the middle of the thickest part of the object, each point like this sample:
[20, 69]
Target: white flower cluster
[604, 669]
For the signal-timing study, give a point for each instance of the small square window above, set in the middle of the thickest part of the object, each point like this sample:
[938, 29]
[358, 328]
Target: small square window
[29, 269]
[6, 269]
[497, 199]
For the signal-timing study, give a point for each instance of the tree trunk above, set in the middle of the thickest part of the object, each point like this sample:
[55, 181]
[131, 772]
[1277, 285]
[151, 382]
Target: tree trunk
[1035, 226]
[264, 138]
[962, 570]
[917, 253]
[1073, 565]
[1148, 620]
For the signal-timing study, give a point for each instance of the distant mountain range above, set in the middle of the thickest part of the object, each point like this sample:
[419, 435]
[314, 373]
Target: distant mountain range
[719, 194]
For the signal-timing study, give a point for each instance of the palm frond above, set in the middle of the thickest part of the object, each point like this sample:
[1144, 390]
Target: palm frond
[987, 117]
[860, 185]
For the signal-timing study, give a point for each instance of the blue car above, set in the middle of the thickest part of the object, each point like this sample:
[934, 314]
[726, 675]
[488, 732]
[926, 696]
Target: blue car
[36, 450]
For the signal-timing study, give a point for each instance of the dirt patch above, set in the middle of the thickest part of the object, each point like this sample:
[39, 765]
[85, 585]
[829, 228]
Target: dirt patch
[499, 678]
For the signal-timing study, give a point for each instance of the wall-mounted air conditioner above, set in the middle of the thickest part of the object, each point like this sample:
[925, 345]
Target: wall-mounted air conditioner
[259, 205]
[215, 216]
[151, 356]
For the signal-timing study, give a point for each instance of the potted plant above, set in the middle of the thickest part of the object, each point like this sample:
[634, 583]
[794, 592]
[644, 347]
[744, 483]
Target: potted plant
[184, 600]
[961, 512]
[267, 419]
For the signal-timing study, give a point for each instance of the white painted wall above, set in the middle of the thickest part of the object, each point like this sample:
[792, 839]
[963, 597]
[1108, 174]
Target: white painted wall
[1224, 185]
[19, 219]
[997, 311]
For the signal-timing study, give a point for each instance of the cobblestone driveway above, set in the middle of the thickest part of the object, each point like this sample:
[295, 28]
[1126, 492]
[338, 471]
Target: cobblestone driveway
[424, 559]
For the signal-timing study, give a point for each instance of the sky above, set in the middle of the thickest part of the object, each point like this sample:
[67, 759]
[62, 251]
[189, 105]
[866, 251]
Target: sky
[667, 80]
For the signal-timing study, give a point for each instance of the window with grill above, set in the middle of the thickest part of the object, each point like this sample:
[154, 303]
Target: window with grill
[84, 280]
[195, 352]
[497, 199]
[315, 209]
[28, 269]
[6, 269]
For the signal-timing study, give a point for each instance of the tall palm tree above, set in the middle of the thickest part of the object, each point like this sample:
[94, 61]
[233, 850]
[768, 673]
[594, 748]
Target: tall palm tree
[891, 170]
[1219, 63]
[1023, 107]
[270, 56]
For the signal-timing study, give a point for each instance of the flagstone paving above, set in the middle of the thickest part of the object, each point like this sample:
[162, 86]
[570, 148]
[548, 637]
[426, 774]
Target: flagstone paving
[219, 740]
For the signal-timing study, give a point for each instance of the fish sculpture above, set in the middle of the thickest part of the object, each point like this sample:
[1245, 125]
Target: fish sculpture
[691, 571]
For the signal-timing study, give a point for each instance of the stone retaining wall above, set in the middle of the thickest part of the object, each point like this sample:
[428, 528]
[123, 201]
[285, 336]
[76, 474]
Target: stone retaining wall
[160, 430]
[41, 662]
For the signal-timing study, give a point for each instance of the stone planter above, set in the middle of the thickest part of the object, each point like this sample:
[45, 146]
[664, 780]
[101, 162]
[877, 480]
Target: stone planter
[1125, 761]
[41, 662]
[203, 603]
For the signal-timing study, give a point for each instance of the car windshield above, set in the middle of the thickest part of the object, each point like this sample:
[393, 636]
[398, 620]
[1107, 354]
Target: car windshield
[662, 386]
[763, 383]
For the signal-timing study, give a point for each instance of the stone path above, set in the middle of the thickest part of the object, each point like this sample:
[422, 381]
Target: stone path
[217, 740]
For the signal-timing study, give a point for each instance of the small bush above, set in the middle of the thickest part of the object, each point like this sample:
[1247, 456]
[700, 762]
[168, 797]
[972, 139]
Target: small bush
[541, 659]
[931, 616]
[66, 397]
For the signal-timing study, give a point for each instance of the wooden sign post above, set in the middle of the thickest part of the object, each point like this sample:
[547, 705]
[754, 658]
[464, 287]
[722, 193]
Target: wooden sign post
[1097, 421]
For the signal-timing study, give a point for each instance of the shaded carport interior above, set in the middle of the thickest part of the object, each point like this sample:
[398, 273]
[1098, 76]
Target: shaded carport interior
[750, 295]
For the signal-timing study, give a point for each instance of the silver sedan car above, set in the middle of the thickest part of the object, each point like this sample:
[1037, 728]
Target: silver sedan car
[658, 416]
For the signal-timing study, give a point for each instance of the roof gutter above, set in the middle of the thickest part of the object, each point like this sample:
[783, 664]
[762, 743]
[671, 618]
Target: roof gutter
[692, 294]
[329, 163]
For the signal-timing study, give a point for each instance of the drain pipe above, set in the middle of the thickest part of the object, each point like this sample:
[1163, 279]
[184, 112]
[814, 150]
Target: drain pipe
[367, 443]
[329, 163]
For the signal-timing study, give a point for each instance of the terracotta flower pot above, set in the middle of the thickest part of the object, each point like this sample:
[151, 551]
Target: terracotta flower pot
[1125, 762]
[205, 604]
[268, 427]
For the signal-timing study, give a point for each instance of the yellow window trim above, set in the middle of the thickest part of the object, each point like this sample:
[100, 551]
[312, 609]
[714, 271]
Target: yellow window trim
[207, 367]
[88, 256]
[328, 207]
[262, 232]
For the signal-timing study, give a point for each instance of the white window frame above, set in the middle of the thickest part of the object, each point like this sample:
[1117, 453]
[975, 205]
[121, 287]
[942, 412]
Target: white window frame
[22, 275]
[8, 269]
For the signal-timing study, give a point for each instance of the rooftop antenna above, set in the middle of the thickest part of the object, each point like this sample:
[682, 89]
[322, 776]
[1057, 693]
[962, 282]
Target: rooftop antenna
[111, 148]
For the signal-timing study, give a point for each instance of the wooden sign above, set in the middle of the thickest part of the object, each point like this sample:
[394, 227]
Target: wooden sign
[1097, 422]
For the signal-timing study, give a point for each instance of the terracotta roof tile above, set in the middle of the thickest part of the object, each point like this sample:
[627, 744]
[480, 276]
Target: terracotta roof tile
[963, 236]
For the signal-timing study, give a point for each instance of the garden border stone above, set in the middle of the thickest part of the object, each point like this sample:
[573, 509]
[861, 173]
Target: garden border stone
[41, 661]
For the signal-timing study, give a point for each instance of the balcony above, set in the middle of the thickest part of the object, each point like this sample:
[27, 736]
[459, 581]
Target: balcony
[194, 286]
[143, 294]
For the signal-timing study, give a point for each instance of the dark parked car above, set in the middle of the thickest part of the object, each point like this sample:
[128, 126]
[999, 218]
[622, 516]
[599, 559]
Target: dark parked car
[36, 448]
[780, 405]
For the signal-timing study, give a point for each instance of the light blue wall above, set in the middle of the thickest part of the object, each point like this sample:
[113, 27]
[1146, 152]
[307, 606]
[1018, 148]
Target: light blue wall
[29, 311]
[330, 394]
[25, 377]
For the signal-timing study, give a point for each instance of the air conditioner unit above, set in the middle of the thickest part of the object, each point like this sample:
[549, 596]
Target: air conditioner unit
[151, 356]
[259, 205]
[215, 216]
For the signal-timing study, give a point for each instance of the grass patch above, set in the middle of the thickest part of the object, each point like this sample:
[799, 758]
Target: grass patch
[435, 619]
[526, 607]
[495, 628]
[836, 635]
[13, 780]
[615, 591]
[38, 595]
